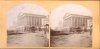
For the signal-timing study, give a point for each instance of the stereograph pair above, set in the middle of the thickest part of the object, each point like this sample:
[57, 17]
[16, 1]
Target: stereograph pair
[31, 25]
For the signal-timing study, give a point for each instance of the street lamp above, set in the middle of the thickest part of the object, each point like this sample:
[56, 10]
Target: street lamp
[46, 27]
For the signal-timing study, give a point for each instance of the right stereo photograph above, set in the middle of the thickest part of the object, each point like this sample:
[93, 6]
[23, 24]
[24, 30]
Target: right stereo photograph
[71, 26]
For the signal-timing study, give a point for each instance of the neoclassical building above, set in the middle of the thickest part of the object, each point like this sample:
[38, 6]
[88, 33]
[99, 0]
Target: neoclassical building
[72, 21]
[27, 20]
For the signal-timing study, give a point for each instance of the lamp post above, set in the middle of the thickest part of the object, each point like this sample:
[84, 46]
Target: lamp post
[45, 28]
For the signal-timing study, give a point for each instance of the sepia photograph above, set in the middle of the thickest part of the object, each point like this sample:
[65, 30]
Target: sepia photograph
[49, 24]
[71, 26]
[27, 26]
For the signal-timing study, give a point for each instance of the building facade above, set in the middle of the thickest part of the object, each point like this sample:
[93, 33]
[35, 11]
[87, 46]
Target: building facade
[74, 21]
[27, 21]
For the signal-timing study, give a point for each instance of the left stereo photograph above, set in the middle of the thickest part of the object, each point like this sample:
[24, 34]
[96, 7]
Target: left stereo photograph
[27, 26]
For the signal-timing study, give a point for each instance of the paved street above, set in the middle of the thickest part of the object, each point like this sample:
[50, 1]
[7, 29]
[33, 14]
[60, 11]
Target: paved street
[28, 40]
[72, 40]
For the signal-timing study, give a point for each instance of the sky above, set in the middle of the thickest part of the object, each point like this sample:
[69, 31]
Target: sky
[57, 14]
[23, 8]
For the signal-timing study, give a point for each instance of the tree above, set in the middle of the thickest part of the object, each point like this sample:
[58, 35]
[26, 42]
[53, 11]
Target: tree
[78, 29]
[33, 29]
